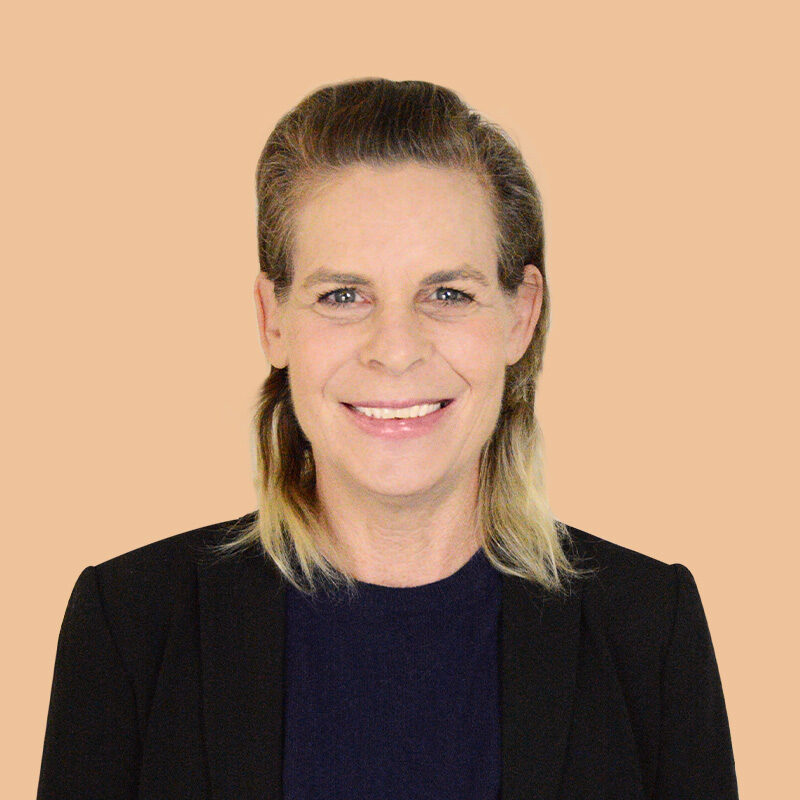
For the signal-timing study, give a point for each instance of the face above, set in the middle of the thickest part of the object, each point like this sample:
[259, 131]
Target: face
[395, 300]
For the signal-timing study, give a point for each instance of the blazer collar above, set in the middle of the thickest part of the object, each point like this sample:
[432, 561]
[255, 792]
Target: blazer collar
[242, 635]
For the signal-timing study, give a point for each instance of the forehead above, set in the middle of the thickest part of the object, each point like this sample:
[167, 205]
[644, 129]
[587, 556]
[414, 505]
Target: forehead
[407, 214]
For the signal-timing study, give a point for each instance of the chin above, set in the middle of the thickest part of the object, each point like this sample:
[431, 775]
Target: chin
[398, 483]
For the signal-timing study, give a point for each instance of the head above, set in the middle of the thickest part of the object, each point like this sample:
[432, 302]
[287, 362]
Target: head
[391, 183]
[395, 299]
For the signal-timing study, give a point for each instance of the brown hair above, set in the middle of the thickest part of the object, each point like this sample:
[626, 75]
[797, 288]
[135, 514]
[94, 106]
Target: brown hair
[379, 122]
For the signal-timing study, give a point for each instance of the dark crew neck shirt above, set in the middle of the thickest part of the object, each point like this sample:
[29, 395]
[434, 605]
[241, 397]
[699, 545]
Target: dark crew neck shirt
[395, 694]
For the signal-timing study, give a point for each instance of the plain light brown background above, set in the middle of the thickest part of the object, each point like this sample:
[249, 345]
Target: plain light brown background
[664, 141]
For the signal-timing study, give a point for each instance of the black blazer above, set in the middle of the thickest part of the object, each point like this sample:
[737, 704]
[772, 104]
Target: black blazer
[168, 681]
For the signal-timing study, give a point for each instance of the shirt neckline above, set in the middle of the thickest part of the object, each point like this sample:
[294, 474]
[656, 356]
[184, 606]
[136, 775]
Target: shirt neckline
[467, 584]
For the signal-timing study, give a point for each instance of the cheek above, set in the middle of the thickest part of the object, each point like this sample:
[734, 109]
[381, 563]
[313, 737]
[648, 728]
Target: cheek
[477, 353]
[313, 360]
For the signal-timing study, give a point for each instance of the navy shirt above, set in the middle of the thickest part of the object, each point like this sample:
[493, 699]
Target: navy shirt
[395, 694]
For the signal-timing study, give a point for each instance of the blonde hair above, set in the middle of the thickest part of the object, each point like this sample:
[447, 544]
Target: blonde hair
[382, 122]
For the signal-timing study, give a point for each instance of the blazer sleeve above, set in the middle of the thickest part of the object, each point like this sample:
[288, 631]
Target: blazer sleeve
[696, 754]
[91, 747]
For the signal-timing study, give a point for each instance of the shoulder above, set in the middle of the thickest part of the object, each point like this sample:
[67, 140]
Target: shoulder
[644, 621]
[620, 571]
[141, 592]
[632, 596]
[160, 566]
[170, 558]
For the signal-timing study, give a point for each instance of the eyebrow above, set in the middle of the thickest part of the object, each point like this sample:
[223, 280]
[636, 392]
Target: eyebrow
[464, 272]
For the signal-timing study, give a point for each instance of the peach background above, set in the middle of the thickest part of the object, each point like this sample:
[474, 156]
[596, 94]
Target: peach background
[664, 142]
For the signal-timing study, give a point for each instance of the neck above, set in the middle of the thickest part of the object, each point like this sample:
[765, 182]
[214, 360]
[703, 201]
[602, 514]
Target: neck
[401, 541]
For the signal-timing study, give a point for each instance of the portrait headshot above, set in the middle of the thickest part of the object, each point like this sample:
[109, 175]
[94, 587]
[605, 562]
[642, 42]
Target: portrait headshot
[402, 615]
[399, 401]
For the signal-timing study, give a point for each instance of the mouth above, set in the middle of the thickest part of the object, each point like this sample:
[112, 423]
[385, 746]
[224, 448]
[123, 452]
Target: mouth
[414, 401]
[399, 409]
[395, 423]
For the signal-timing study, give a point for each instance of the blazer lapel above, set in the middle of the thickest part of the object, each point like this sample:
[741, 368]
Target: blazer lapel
[242, 641]
[539, 641]
[242, 638]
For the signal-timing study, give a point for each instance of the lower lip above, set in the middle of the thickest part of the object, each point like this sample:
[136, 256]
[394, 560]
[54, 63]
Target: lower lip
[398, 428]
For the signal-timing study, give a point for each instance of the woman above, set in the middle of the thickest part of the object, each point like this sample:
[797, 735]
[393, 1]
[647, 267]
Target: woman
[402, 617]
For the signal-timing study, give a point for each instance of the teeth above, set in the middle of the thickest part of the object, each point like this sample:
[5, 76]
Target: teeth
[399, 413]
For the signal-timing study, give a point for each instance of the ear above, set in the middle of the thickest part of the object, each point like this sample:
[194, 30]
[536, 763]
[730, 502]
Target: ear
[273, 342]
[524, 309]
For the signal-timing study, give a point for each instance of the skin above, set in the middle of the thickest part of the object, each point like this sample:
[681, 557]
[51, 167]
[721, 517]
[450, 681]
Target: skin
[402, 513]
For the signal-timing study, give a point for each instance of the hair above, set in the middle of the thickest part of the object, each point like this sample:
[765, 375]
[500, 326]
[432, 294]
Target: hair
[380, 122]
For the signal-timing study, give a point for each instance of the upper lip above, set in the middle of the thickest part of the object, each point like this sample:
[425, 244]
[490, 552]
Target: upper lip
[398, 403]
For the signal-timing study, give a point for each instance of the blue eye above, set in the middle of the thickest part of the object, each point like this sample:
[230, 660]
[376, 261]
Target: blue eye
[461, 297]
[324, 297]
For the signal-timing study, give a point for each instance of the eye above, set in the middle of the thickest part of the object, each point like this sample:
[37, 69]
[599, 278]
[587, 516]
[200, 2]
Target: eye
[457, 296]
[325, 297]
[461, 298]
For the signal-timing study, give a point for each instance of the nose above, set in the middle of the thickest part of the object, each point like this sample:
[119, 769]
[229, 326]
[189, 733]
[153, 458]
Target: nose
[396, 341]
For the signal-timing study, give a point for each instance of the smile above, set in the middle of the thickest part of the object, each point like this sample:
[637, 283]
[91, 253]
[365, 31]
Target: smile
[400, 423]
[400, 413]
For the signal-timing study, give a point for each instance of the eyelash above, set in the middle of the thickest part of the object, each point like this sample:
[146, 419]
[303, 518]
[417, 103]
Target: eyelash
[467, 298]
